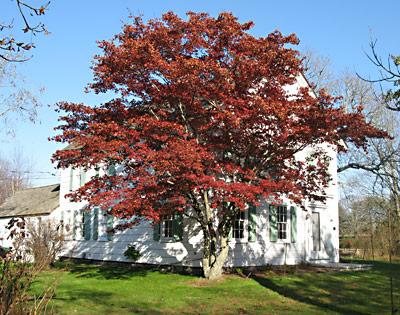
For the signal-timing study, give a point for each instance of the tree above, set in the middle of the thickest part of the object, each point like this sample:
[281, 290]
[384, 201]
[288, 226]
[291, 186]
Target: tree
[14, 175]
[17, 102]
[389, 74]
[202, 125]
[354, 92]
[18, 273]
[9, 44]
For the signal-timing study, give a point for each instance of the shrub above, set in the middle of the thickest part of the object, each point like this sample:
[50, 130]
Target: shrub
[44, 240]
[17, 275]
[132, 253]
[4, 251]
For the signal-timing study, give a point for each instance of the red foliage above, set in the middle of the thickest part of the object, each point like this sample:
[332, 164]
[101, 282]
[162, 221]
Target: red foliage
[201, 105]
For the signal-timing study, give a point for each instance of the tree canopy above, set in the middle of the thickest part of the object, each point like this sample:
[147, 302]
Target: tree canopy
[202, 119]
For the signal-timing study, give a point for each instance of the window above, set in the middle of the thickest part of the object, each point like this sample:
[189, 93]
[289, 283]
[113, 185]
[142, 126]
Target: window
[238, 225]
[282, 219]
[169, 229]
[168, 226]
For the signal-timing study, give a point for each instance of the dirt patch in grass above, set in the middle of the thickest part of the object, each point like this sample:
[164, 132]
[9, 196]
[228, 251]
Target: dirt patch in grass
[202, 282]
[299, 269]
[279, 270]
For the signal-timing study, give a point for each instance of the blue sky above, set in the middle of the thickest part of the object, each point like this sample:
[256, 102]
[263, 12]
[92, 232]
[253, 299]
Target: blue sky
[340, 30]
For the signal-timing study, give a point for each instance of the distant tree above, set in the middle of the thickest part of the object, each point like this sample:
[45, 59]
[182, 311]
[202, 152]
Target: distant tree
[14, 175]
[202, 125]
[389, 74]
[17, 103]
[10, 43]
[356, 92]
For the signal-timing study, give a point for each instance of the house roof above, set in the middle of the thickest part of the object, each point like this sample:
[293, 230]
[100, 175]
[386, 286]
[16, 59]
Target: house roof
[31, 202]
[71, 146]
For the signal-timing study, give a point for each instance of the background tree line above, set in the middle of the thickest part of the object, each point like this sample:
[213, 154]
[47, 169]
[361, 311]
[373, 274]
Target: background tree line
[369, 183]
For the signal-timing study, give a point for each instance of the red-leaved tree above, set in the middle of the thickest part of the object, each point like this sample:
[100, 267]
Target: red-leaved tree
[201, 124]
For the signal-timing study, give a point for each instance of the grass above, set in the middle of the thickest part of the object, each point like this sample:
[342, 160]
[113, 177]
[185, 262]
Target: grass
[90, 289]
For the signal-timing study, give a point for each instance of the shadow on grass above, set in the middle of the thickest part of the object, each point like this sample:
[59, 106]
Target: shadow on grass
[102, 271]
[78, 301]
[110, 270]
[300, 297]
[360, 292]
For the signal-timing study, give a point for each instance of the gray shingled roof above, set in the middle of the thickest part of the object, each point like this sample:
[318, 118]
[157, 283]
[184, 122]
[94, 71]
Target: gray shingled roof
[31, 202]
[72, 146]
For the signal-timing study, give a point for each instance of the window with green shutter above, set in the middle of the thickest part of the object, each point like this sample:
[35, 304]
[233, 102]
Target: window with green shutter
[293, 224]
[170, 228]
[273, 228]
[252, 223]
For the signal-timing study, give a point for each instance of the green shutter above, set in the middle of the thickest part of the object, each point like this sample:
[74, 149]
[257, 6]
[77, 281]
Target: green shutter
[111, 171]
[110, 226]
[156, 231]
[71, 179]
[273, 227]
[74, 224]
[293, 224]
[87, 224]
[178, 227]
[82, 177]
[252, 223]
[95, 224]
[230, 234]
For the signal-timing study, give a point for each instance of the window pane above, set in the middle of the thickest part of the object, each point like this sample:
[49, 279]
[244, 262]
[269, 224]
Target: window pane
[168, 226]
[238, 225]
[282, 222]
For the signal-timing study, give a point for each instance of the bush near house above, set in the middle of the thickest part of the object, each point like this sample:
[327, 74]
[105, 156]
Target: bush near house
[4, 251]
[132, 253]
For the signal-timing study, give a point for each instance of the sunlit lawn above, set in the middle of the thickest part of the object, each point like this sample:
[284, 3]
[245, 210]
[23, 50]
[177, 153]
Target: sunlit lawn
[91, 289]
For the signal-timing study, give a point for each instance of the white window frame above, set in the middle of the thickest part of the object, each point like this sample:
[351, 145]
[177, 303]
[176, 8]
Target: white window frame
[164, 227]
[245, 229]
[280, 222]
[245, 225]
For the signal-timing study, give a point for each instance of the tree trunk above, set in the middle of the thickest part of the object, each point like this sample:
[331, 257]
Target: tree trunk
[213, 269]
[215, 241]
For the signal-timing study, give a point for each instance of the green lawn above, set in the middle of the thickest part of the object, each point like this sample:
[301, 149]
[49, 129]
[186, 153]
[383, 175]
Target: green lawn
[91, 289]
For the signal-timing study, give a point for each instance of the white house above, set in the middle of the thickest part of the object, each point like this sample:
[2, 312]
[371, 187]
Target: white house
[33, 204]
[263, 235]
